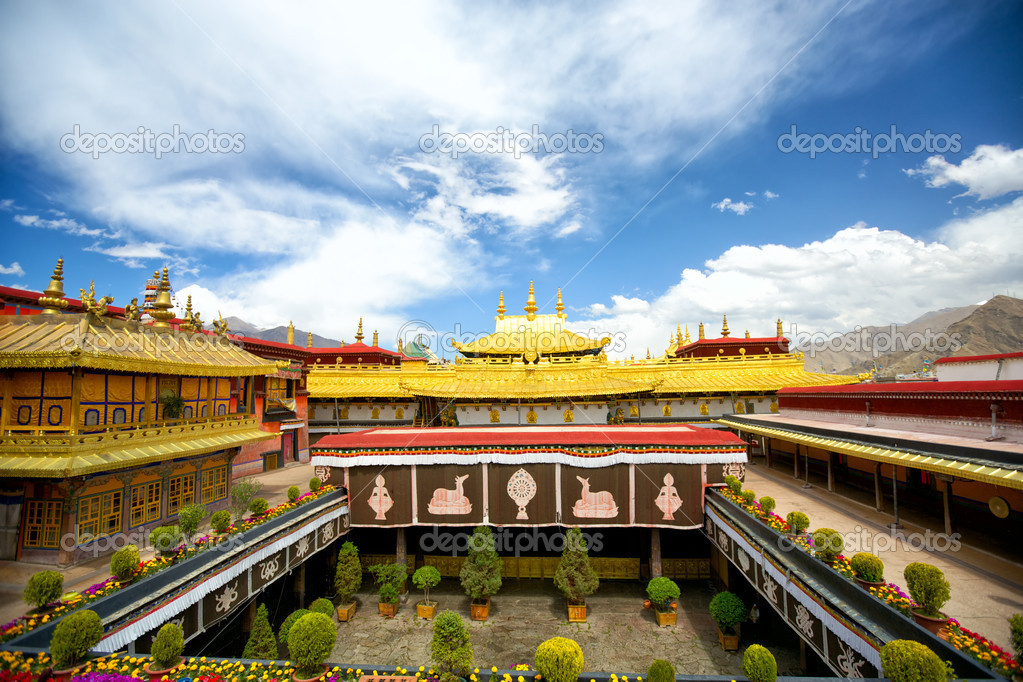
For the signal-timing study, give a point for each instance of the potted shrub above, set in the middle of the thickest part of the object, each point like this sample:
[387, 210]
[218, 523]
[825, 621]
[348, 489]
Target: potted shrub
[189, 519]
[828, 544]
[166, 539]
[261, 644]
[574, 577]
[124, 563]
[424, 578]
[166, 653]
[748, 496]
[347, 580]
[767, 505]
[559, 659]
[663, 594]
[243, 491]
[734, 484]
[220, 521]
[389, 578]
[728, 611]
[904, 660]
[289, 622]
[314, 484]
[481, 573]
[660, 671]
[868, 570]
[928, 588]
[173, 405]
[78, 632]
[294, 492]
[450, 648]
[758, 664]
[310, 641]
[258, 507]
[1016, 633]
[798, 522]
[43, 588]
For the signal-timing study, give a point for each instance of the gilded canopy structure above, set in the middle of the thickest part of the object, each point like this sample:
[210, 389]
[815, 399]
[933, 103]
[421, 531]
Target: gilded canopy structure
[344, 383]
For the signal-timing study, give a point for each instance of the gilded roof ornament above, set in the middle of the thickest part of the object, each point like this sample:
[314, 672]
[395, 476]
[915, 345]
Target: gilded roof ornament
[401, 346]
[687, 339]
[309, 341]
[358, 334]
[132, 312]
[220, 325]
[291, 333]
[93, 306]
[724, 327]
[161, 309]
[779, 331]
[501, 310]
[747, 333]
[560, 307]
[531, 304]
[376, 338]
[53, 302]
[197, 323]
[702, 337]
[188, 313]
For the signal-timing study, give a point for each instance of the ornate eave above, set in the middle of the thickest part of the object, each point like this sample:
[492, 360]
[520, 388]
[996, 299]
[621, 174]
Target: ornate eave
[345, 384]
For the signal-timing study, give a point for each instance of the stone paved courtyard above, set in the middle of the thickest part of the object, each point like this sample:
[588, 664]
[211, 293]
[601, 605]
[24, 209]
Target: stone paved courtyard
[620, 635]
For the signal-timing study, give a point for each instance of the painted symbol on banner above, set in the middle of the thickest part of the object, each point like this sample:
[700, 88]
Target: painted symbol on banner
[737, 469]
[743, 560]
[269, 568]
[450, 500]
[227, 597]
[327, 534]
[302, 547]
[849, 662]
[598, 505]
[804, 621]
[668, 500]
[723, 541]
[522, 489]
[380, 500]
[322, 473]
[770, 589]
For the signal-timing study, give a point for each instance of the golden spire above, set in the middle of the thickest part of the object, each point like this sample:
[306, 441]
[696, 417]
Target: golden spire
[531, 304]
[501, 310]
[401, 346]
[780, 332]
[560, 307]
[678, 328]
[358, 334]
[376, 338]
[724, 327]
[342, 344]
[291, 333]
[309, 341]
[161, 311]
[647, 353]
[188, 312]
[747, 333]
[53, 302]
[687, 339]
[702, 337]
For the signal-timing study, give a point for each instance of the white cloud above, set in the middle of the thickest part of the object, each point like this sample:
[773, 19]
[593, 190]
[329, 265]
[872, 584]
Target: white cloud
[736, 207]
[768, 194]
[989, 172]
[751, 194]
[12, 269]
[7, 204]
[571, 227]
[68, 225]
[860, 275]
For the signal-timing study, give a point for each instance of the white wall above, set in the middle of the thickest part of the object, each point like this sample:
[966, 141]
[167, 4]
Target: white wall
[987, 370]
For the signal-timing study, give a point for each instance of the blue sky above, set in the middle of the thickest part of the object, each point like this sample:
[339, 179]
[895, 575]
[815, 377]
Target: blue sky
[325, 207]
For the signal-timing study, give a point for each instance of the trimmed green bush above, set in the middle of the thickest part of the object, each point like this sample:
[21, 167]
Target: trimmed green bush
[798, 522]
[734, 484]
[450, 648]
[323, 606]
[662, 591]
[867, 567]
[758, 664]
[748, 496]
[310, 641]
[189, 519]
[258, 506]
[1016, 632]
[348, 575]
[43, 588]
[574, 577]
[928, 587]
[660, 671]
[282, 634]
[389, 578]
[165, 539]
[827, 544]
[559, 659]
[293, 493]
[167, 648]
[243, 491]
[125, 562]
[314, 484]
[481, 572]
[424, 578]
[767, 504]
[727, 610]
[904, 660]
[78, 632]
[220, 520]
[262, 644]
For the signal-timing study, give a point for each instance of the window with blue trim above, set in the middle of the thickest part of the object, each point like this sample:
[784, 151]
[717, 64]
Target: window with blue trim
[120, 415]
[55, 415]
[24, 415]
[187, 414]
[221, 409]
[92, 417]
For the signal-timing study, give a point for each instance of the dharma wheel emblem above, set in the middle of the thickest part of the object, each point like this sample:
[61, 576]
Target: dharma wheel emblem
[522, 489]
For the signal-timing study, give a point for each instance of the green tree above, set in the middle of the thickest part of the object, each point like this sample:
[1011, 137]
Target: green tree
[243, 491]
[574, 577]
[262, 643]
[481, 572]
[348, 575]
[450, 648]
[189, 519]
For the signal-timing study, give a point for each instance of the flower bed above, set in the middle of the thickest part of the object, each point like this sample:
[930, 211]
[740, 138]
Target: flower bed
[982, 649]
[28, 622]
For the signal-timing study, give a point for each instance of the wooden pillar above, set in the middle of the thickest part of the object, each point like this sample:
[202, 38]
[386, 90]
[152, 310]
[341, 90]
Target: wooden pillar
[795, 463]
[655, 552]
[765, 447]
[211, 389]
[68, 521]
[946, 495]
[249, 617]
[299, 587]
[878, 495]
[150, 403]
[401, 558]
[8, 405]
[831, 471]
[895, 494]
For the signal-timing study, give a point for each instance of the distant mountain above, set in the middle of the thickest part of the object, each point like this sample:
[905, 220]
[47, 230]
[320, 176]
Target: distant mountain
[277, 334]
[993, 327]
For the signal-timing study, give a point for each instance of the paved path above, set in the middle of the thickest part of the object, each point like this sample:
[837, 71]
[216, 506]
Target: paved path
[986, 588]
[619, 635]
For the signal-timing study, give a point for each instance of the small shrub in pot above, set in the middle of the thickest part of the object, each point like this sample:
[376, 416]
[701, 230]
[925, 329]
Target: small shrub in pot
[44, 587]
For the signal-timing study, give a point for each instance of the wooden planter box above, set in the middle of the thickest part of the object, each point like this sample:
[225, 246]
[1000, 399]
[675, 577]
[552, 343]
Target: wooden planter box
[387, 609]
[345, 612]
[666, 618]
[577, 612]
[728, 642]
[479, 611]
[427, 611]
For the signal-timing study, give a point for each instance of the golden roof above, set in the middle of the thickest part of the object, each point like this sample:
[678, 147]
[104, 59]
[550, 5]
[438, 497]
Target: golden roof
[81, 340]
[359, 382]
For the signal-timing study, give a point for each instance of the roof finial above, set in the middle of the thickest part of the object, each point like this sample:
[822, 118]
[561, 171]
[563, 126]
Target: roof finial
[747, 333]
[702, 337]
[376, 338]
[687, 341]
[724, 327]
[291, 333]
[560, 307]
[501, 310]
[401, 346]
[647, 353]
[342, 344]
[358, 334]
[188, 312]
[161, 310]
[531, 304]
[309, 341]
[678, 329]
[53, 302]
[779, 331]
[219, 325]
